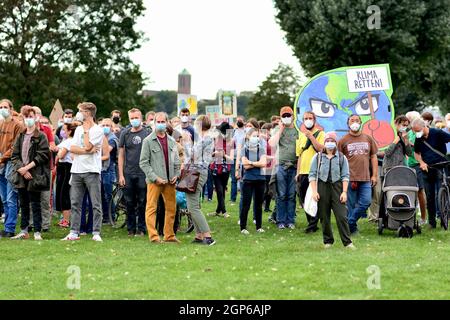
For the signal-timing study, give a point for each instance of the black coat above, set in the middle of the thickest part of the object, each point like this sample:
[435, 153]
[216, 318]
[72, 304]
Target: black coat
[39, 153]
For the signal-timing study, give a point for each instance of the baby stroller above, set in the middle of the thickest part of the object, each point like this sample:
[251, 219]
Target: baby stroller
[400, 190]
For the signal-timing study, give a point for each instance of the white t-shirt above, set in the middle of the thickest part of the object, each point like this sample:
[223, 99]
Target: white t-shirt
[66, 145]
[86, 163]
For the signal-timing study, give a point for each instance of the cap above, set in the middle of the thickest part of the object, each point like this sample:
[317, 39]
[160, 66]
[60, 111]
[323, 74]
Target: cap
[331, 135]
[286, 109]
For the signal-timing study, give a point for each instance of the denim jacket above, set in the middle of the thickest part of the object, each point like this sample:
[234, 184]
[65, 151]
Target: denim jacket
[336, 173]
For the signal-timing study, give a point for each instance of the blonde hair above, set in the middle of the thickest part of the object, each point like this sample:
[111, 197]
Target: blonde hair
[88, 106]
[8, 102]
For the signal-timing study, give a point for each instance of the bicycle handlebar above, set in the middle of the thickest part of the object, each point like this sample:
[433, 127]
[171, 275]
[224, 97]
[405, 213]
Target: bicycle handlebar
[440, 164]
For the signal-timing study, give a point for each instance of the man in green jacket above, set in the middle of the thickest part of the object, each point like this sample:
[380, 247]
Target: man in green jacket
[161, 164]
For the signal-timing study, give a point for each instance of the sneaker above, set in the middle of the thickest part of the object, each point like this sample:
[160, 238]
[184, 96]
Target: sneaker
[422, 222]
[21, 236]
[71, 237]
[97, 238]
[272, 220]
[260, 230]
[239, 222]
[226, 215]
[140, 234]
[37, 236]
[4, 234]
[131, 234]
[351, 246]
[311, 230]
[209, 241]
[291, 226]
[197, 240]
[245, 231]
[213, 214]
[254, 221]
[281, 226]
[327, 245]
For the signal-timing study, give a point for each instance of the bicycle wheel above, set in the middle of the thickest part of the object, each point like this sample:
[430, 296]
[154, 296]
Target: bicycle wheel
[118, 210]
[444, 205]
[185, 221]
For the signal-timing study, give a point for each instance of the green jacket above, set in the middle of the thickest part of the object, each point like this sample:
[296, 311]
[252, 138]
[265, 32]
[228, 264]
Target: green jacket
[152, 160]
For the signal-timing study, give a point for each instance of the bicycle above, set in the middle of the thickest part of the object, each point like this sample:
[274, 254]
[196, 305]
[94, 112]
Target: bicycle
[444, 192]
[118, 209]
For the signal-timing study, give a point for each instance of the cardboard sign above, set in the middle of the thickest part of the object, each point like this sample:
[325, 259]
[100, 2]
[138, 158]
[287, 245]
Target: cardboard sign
[56, 114]
[368, 79]
[228, 103]
[336, 94]
[187, 101]
[214, 114]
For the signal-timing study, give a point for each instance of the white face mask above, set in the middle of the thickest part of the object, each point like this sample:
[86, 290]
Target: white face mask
[402, 129]
[4, 113]
[253, 141]
[309, 124]
[286, 121]
[448, 124]
[79, 117]
[68, 120]
[419, 134]
[355, 127]
[184, 119]
[330, 145]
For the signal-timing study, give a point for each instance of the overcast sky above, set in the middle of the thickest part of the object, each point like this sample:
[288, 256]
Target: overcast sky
[224, 44]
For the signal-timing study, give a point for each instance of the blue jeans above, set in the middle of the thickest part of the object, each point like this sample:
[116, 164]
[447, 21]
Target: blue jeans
[234, 182]
[358, 202]
[108, 178]
[286, 195]
[9, 197]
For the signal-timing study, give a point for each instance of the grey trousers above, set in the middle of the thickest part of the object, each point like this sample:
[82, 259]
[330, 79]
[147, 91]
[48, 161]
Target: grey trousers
[79, 183]
[193, 204]
[45, 211]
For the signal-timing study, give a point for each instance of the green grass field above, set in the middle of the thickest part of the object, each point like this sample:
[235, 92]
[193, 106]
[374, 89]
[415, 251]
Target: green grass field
[279, 264]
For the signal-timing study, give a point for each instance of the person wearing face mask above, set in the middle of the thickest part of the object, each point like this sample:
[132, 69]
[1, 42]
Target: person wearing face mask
[221, 166]
[253, 157]
[414, 164]
[238, 140]
[396, 153]
[67, 118]
[160, 162]
[116, 117]
[86, 148]
[329, 177]
[284, 141]
[63, 163]
[185, 115]
[310, 142]
[109, 168]
[430, 148]
[10, 129]
[31, 158]
[131, 177]
[361, 152]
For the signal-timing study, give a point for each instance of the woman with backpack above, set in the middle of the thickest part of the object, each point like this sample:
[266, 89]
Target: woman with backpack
[253, 159]
[329, 177]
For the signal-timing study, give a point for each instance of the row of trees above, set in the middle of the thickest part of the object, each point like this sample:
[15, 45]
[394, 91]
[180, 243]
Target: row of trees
[73, 50]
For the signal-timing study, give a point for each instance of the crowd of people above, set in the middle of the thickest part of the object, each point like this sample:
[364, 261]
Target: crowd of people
[73, 170]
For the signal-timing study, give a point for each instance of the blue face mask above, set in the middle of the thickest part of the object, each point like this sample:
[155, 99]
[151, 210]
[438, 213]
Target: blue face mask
[161, 127]
[5, 113]
[106, 130]
[29, 122]
[135, 123]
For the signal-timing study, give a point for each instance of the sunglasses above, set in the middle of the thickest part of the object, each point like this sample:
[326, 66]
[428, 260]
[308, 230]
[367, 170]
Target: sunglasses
[286, 115]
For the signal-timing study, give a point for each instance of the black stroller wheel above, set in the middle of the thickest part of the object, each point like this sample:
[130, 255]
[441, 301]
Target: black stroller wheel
[380, 226]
